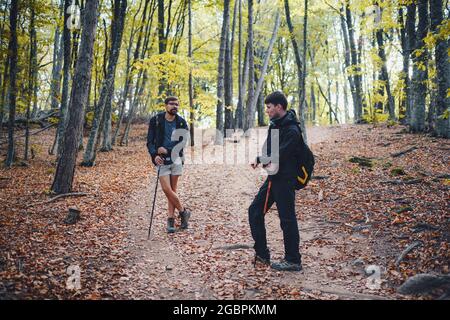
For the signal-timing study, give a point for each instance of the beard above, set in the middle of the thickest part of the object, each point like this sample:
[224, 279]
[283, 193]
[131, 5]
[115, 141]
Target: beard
[173, 111]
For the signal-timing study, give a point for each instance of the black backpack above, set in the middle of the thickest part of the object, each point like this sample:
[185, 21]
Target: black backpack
[305, 163]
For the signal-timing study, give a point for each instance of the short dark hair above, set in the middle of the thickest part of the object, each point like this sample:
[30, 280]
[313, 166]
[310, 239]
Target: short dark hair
[275, 98]
[170, 98]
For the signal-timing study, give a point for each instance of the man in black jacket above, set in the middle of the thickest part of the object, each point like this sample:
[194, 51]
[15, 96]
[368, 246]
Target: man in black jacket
[167, 153]
[279, 187]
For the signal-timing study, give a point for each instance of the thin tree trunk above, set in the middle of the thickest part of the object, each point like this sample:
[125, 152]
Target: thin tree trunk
[442, 127]
[229, 123]
[313, 104]
[221, 74]
[250, 112]
[357, 79]
[126, 89]
[260, 108]
[138, 54]
[65, 169]
[191, 85]
[300, 67]
[347, 60]
[117, 26]
[55, 86]
[162, 40]
[404, 75]
[260, 83]
[411, 43]
[384, 76]
[239, 108]
[419, 77]
[305, 48]
[3, 94]
[118, 32]
[66, 79]
[32, 76]
[12, 52]
[240, 114]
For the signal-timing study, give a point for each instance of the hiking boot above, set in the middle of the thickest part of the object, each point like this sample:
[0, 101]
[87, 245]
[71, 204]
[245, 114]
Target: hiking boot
[284, 265]
[185, 215]
[262, 260]
[170, 225]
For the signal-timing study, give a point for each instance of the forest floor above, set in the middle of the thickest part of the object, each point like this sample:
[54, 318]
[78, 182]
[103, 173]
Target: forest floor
[354, 218]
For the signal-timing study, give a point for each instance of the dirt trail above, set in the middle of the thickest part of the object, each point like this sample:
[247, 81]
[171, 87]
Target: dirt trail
[213, 258]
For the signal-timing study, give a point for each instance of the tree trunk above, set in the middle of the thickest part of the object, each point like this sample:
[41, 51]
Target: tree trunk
[420, 74]
[302, 97]
[442, 127]
[358, 95]
[127, 85]
[12, 52]
[65, 169]
[228, 79]
[221, 74]
[117, 26]
[191, 85]
[55, 86]
[240, 114]
[404, 76]
[239, 111]
[162, 41]
[347, 60]
[267, 55]
[32, 76]
[384, 76]
[411, 43]
[300, 68]
[138, 54]
[116, 41]
[313, 104]
[260, 108]
[3, 99]
[66, 78]
[250, 112]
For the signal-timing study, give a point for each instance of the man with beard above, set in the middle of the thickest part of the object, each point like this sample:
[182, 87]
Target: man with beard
[170, 160]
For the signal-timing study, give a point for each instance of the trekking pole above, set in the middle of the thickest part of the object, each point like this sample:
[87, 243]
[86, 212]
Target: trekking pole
[153, 207]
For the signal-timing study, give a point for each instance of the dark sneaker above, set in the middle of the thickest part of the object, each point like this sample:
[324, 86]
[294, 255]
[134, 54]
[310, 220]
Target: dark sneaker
[261, 260]
[284, 265]
[170, 225]
[185, 215]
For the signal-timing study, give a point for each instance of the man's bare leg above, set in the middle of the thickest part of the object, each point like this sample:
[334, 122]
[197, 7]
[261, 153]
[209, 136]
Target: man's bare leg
[172, 197]
[173, 185]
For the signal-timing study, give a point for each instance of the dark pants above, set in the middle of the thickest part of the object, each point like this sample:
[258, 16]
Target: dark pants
[283, 194]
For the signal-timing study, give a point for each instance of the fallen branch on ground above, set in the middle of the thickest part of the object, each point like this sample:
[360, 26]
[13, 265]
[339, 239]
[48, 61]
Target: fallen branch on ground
[398, 154]
[396, 182]
[31, 133]
[235, 247]
[73, 194]
[406, 251]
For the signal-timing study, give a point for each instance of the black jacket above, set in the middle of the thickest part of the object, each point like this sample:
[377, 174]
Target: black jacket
[155, 135]
[290, 137]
